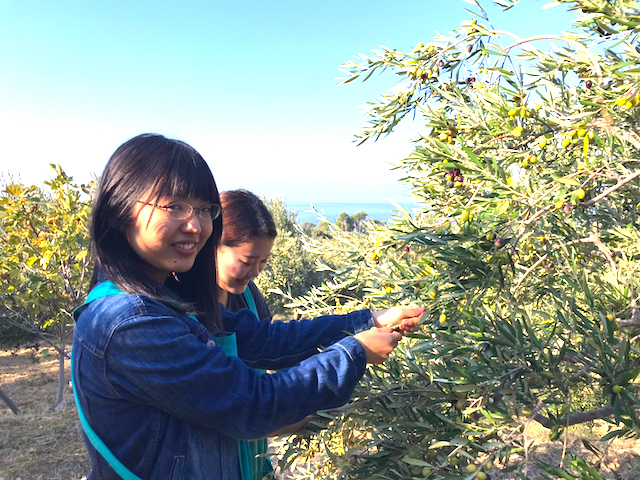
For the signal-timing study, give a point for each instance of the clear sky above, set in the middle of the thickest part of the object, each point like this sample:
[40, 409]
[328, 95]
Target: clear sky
[251, 84]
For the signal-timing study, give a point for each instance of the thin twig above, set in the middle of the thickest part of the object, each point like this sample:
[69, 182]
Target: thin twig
[529, 270]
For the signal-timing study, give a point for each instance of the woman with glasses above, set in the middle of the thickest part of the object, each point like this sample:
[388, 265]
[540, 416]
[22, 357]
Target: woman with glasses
[164, 379]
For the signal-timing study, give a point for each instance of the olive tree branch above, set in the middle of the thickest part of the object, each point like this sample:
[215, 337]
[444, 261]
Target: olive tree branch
[574, 418]
[592, 58]
[566, 420]
[634, 321]
[621, 182]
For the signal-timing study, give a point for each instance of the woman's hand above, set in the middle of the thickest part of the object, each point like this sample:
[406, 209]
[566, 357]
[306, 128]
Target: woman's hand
[378, 343]
[405, 318]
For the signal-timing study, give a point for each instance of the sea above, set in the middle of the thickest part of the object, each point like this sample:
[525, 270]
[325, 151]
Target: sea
[331, 210]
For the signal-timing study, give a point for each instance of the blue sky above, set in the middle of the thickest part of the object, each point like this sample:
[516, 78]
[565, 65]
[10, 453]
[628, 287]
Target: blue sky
[250, 84]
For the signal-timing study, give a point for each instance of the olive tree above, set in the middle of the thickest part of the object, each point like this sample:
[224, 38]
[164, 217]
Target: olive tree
[525, 250]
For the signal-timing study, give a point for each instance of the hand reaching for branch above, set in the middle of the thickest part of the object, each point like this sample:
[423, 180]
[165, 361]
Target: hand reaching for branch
[405, 318]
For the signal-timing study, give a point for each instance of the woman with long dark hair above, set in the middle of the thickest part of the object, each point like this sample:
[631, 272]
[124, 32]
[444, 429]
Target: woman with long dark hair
[160, 392]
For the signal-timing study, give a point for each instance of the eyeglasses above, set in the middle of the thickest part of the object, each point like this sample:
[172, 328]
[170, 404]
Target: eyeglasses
[184, 210]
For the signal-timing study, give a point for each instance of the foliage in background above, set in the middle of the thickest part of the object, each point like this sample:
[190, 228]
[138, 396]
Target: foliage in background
[44, 272]
[358, 222]
[13, 337]
[291, 268]
[306, 255]
[352, 223]
[525, 249]
[337, 253]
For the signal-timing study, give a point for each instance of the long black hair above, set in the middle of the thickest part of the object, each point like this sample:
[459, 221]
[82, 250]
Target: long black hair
[150, 164]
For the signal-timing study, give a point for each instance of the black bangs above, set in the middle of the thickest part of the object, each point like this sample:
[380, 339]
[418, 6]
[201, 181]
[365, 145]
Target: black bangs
[186, 175]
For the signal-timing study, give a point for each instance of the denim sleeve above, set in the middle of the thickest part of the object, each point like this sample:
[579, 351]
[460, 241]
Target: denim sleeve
[276, 345]
[159, 361]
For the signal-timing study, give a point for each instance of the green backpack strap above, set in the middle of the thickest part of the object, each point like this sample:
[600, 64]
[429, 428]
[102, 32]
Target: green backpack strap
[103, 289]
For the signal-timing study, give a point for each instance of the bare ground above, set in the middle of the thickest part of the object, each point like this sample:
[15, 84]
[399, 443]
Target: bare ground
[42, 444]
[38, 444]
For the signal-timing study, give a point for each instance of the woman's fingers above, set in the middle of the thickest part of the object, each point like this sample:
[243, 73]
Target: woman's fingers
[379, 343]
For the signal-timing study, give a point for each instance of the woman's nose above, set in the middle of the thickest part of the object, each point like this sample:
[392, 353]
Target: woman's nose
[192, 224]
[255, 271]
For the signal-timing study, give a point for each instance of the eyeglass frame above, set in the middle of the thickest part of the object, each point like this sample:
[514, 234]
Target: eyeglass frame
[190, 211]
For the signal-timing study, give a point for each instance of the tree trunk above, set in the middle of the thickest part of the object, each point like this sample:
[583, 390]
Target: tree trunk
[9, 402]
[61, 376]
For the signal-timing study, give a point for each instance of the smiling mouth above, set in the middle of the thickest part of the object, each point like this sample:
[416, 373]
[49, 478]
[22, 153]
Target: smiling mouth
[185, 246]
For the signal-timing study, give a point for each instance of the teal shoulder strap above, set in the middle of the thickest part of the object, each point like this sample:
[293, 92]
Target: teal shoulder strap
[98, 444]
[103, 289]
[254, 452]
[251, 302]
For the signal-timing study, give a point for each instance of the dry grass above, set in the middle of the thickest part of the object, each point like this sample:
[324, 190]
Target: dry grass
[40, 444]
[619, 459]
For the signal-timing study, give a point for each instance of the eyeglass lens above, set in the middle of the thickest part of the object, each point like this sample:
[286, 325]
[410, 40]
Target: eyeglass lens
[182, 210]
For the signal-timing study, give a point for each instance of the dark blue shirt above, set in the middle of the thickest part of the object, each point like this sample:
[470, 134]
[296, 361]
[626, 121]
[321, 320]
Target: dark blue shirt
[238, 302]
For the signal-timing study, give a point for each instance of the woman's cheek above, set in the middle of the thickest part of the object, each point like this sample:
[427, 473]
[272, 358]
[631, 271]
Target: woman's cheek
[241, 271]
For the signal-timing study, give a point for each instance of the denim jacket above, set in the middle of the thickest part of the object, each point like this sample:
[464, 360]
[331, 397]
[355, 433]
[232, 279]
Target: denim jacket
[169, 403]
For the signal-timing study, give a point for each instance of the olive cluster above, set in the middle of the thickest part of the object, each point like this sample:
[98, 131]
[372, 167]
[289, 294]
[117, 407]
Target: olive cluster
[455, 178]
